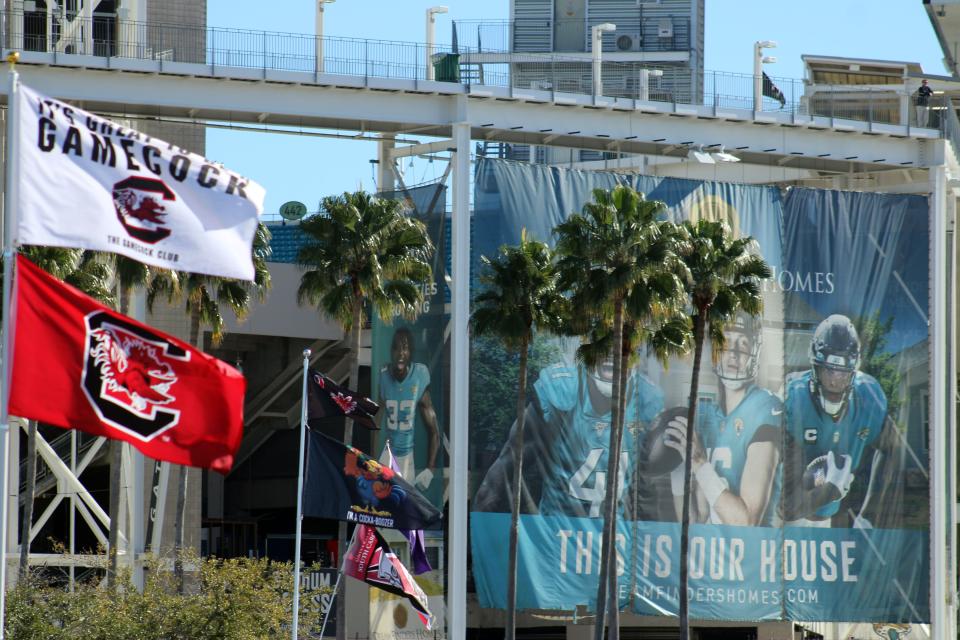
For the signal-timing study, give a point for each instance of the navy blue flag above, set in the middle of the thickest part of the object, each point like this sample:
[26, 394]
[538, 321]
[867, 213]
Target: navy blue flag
[343, 483]
[327, 399]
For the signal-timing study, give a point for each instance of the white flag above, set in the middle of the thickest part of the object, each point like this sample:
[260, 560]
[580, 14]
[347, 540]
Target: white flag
[89, 183]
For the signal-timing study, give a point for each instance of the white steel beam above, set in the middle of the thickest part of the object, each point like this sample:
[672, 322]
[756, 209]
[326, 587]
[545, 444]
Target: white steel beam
[422, 149]
[939, 594]
[951, 393]
[387, 105]
[71, 483]
[459, 381]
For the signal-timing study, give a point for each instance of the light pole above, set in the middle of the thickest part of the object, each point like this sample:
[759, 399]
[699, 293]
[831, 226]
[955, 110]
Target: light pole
[319, 29]
[431, 27]
[758, 60]
[596, 46]
[645, 75]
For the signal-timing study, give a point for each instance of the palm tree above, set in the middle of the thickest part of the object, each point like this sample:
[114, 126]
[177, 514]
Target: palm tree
[521, 295]
[204, 297]
[616, 259]
[363, 254]
[723, 277]
[91, 275]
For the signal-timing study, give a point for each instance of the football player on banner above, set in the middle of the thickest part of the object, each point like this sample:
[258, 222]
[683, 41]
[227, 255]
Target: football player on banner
[835, 413]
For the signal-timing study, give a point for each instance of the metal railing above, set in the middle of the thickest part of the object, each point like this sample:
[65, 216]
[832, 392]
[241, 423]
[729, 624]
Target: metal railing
[532, 35]
[108, 36]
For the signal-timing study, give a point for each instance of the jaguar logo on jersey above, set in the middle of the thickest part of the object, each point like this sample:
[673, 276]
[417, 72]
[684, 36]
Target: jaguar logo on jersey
[130, 376]
[891, 630]
[138, 202]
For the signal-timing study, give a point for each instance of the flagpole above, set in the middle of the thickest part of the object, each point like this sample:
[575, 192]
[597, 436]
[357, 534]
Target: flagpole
[10, 197]
[297, 537]
[333, 598]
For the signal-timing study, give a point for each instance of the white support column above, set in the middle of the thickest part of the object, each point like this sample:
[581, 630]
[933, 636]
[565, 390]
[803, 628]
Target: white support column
[136, 502]
[459, 380]
[385, 180]
[952, 410]
[161, 489]
[13, 499]
[16, 26]
[72, 539]
[318, 30]
[938, 401]
[87, 29]
[596, 54]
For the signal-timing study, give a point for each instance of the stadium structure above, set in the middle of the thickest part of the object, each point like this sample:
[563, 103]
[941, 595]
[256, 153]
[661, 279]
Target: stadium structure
[531, 89]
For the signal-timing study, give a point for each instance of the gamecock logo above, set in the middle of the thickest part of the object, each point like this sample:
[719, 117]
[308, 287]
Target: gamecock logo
[130, 376]
[137, 201]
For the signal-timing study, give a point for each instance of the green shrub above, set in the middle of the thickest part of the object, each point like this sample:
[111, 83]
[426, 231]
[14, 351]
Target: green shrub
[236, 599]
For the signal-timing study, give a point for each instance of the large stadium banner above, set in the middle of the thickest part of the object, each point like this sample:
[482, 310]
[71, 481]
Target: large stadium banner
[410, 365]
[811, 463]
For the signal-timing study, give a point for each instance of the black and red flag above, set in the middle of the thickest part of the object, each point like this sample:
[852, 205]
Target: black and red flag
[343, 483]
[327, 399]
[78, 364]
[371, 560]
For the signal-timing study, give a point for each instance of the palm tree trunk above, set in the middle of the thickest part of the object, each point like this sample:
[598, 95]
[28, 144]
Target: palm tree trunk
[699, 324]
[348, 439]
[179, 533]
[517, 445]
[116, 461]
[28, 506]
[623, 418]
[607, 595]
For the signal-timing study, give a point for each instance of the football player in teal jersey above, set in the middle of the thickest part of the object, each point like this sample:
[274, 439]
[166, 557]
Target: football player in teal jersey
[834, 414]
[736, 453]
[566, 442]
[404, 388]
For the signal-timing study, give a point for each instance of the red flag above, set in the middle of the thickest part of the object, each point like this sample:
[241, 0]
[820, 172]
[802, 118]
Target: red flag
[78, 364]
[370, 559]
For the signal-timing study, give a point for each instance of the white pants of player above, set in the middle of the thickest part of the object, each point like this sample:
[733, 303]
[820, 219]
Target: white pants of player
[804, 522]
[407, 470]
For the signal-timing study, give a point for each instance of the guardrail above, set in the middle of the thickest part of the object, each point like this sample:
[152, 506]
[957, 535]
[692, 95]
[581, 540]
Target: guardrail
[529, 34]
[109, 36]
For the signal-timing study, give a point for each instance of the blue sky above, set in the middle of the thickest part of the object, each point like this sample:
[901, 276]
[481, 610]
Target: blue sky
[881, 29]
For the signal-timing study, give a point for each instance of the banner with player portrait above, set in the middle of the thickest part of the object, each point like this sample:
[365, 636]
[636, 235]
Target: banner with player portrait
[410, 369]
[810, 465]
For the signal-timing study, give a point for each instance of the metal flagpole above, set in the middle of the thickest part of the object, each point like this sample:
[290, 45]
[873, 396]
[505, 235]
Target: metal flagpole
[333, 598]
[296, 544]
[10, 197]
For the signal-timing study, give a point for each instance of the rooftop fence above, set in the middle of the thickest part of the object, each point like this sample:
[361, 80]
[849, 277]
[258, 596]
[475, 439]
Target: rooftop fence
[110, 36]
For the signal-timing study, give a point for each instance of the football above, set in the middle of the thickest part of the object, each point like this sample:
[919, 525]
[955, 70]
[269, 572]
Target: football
[656, 457]
[815, 474]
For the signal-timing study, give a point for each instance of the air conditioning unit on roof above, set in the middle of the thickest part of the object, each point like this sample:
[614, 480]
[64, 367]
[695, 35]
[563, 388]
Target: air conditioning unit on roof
[665, 28]
[627, 41]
